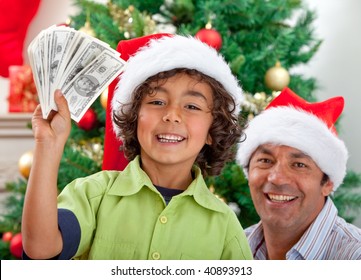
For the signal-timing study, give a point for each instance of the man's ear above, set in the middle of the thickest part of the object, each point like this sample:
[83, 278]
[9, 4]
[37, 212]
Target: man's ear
[327, 188]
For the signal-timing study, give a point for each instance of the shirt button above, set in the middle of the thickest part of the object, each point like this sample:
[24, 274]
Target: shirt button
[163, 219]
[156, 256]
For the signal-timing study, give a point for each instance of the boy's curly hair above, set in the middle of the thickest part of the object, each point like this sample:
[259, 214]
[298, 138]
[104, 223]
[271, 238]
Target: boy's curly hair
[225, 130]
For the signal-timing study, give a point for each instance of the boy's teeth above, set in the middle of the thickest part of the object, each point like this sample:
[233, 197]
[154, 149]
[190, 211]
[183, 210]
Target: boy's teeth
[169, 138]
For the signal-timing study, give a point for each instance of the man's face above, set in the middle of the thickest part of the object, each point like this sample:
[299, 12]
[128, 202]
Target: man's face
[286, 189]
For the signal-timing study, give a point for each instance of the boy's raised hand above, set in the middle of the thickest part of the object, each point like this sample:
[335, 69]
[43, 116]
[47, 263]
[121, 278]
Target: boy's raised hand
[56, 128]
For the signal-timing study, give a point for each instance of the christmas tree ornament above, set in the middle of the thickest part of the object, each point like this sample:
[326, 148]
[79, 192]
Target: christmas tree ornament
[277, 77]
[104, 98]
[87, 29]
[7, 236]
[131, 22]
[25, 162]
[66, 23]
[16, 245]
[211, 37]
[91, 148]
[88, 121]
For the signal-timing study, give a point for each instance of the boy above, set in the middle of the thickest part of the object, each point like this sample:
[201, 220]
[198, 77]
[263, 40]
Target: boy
[176, 110]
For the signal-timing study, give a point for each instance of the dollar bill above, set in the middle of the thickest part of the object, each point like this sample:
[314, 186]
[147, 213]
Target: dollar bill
[61, 40]
[64, 58]
[89, 83]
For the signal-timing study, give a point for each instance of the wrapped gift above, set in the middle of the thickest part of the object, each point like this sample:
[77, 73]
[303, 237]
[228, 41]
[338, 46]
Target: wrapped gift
[23, 96]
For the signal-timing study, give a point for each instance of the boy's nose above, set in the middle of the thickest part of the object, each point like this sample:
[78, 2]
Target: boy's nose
[172, 115]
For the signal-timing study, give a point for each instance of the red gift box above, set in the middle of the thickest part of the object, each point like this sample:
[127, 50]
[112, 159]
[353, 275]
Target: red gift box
[23, 96]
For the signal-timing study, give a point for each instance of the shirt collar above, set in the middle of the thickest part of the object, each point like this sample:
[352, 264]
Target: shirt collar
[312, 243]
[133, 178]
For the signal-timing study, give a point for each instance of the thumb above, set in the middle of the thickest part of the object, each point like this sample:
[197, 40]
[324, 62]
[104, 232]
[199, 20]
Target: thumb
[61, 103]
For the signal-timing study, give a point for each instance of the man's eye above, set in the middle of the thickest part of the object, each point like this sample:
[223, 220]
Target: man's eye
[264, 160]
[300, 165]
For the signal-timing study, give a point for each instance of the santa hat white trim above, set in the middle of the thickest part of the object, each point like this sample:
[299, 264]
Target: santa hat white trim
[299, 129]
[168, 53]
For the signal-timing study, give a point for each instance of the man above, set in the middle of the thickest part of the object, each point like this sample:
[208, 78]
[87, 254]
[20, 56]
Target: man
[294, 161]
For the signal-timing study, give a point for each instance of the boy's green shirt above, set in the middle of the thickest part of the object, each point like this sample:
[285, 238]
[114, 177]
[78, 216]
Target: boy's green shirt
[123, 216]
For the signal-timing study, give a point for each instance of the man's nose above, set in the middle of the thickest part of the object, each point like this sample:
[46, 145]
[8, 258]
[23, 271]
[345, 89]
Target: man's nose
[279, 174]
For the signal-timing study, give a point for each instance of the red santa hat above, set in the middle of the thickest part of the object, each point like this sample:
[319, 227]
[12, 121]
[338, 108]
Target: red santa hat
[146, 56]
[309, 127]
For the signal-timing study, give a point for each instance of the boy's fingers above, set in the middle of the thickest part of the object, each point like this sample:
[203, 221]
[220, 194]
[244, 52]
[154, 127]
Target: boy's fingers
[61, 102]
[37, 110]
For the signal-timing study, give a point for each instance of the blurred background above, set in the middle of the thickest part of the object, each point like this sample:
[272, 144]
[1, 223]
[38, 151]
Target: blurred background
[317, 43]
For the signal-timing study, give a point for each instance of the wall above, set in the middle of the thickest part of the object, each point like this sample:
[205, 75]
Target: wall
[337, 67]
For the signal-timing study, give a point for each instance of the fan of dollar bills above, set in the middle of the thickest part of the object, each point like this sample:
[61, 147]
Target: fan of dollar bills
[78, 64]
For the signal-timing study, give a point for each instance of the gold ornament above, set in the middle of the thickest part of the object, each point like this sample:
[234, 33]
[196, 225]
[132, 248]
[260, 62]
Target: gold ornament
[104, 98]
[91, 148]
[87, 29]
[130, 21]
[277, 77]
[25, 163]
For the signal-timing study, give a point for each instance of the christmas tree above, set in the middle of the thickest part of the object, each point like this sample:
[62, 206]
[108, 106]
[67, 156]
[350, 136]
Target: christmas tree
[260, 39]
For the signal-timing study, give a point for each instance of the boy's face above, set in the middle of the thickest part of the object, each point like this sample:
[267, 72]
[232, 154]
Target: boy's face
[174, 121]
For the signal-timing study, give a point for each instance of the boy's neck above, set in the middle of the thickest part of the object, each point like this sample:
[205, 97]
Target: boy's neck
[168, 176]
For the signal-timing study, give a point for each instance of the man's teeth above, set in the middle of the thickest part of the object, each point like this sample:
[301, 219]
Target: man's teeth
[280, 198]
[166, 138]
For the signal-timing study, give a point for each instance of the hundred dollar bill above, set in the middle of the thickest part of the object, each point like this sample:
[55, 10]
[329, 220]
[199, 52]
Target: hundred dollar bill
[87, 85]
[37, 50]
[61, 41]
[59, 55]
[34, 58]
[86, 53]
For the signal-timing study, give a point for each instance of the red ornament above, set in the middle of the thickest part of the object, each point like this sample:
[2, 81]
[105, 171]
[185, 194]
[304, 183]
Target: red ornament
[16, 245]
[7, 236]
[89, 120]
[211, 37]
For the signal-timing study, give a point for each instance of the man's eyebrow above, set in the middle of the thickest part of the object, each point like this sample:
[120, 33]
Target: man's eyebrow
[267, 151]
[263, 150]
[300, 155]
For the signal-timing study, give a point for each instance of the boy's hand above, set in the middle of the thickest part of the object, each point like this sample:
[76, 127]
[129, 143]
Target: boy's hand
[56, 128]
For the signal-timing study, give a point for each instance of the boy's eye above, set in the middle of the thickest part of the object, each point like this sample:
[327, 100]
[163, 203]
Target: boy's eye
[192, 107]
[156, 102]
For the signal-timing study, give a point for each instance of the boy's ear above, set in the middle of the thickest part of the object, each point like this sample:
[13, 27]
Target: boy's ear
[209, 139]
